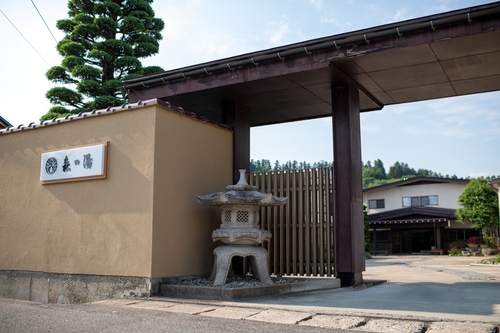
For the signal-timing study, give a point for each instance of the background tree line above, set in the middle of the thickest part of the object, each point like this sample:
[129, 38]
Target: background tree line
[374, 174]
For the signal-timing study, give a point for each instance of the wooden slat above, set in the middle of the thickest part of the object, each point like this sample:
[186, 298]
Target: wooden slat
[314, 221]
[300, 214]
[307, 223]
[282, 227]
[321, 221]
[293, 244]
[329, 225]
[269, 219]
[288, 225]
[275, 227]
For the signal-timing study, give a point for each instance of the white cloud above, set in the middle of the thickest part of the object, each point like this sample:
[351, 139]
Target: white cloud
[330, 20]
[190, 38]
[368, 125]
[316, 3]
[478, 174]
[278, 32]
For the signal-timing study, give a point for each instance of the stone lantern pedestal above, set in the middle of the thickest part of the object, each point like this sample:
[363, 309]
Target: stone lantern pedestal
[240, 228]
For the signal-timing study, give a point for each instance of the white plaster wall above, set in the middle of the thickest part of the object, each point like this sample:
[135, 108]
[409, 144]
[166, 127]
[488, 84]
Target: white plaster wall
[447, 193]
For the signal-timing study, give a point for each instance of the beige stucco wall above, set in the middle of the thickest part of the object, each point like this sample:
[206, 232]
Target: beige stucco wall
[191, 158]
[447, 193]
[137, 221]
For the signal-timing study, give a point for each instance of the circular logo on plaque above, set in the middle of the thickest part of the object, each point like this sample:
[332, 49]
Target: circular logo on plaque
[51, 165]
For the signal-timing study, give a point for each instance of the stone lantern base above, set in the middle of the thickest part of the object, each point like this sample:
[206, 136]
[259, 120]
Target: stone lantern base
[224, 254]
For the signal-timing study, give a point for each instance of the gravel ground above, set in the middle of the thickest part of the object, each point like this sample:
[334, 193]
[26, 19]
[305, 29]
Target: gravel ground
[233, 282]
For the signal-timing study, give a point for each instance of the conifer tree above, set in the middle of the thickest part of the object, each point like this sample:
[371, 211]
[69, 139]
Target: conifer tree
[103, 42]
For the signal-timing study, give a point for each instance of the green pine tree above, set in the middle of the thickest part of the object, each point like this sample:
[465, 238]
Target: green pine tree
[103, 43]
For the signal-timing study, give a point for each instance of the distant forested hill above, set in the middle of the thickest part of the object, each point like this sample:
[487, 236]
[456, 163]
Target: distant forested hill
[374, 174]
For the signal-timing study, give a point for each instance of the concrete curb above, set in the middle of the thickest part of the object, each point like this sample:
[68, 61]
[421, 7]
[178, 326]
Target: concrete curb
[312, 317]
[222, 293]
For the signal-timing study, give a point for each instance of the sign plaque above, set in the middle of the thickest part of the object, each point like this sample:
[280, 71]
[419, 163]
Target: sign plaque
[74, 164]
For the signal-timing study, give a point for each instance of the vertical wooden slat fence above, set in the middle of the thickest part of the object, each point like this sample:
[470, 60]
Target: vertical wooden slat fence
[302, 242]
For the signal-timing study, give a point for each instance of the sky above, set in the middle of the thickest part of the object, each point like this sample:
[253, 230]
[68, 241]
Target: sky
[455, 136]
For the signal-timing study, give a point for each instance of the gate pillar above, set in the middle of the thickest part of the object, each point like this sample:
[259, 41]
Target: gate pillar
[348, 195]
[238, 117]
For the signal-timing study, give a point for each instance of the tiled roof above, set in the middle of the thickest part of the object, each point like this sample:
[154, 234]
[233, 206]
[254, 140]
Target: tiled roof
[413, 213]
[109, 110]
[420, 180]
[4, 123]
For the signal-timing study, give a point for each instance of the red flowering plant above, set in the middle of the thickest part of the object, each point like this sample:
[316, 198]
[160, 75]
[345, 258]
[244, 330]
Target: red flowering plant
[460, 244]
[475, 240]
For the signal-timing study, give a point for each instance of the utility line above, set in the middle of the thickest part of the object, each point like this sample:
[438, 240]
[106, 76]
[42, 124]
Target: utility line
[256, 152]
[44, 21]
[24, 38]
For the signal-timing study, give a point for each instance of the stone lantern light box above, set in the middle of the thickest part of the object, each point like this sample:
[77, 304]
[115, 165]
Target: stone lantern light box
[240, 229]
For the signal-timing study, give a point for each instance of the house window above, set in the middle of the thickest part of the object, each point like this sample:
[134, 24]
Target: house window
[411, 201]
[374, 204]
[420, 201]
[429, 200]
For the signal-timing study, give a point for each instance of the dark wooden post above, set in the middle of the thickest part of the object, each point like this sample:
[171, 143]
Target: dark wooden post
[349, 228]
[238, 117]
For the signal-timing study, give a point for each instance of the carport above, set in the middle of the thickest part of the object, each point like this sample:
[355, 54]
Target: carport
[443, 55]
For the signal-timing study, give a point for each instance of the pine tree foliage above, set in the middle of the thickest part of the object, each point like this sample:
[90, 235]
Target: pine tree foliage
[103, 42]
[265, 165]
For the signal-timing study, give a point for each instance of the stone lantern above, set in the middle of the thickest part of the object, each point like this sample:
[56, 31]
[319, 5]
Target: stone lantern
[240, 228]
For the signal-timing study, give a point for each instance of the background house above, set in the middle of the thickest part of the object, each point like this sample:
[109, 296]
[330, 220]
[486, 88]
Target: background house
[4, 123]
[415, 214]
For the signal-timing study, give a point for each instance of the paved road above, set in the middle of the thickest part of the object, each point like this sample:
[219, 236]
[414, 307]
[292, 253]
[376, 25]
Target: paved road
[428, 287]
[431, 294]
[18, 317]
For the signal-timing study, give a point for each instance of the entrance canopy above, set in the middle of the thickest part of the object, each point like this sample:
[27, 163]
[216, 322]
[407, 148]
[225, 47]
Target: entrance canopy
[414, 214]
[443, 55]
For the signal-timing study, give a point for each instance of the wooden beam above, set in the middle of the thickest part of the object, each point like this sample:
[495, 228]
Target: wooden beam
[290, 65]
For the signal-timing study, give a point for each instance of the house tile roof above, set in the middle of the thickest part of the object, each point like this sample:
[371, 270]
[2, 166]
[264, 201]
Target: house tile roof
[416, 181]
[414, 214]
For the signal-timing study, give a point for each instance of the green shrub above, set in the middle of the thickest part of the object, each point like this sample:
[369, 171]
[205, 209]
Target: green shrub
[494, 260]
[455, 252]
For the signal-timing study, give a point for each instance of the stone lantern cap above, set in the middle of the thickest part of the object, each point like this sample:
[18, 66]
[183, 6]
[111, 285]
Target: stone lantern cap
[241, 194]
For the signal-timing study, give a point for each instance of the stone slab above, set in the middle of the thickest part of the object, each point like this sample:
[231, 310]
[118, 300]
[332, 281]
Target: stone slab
[231, 313]
[70, 288]
[117, 302]
[446, 327]
[334, 322]
[189, 308]
[280, 316]
[221, 293]
[16, 285]
[162, 306]
[390, 325]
